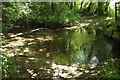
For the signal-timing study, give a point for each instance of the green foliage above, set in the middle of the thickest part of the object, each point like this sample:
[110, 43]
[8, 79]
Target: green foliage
[42, 13]
[8, 68]
[36, 14]
[48, 14]
[3, 39]
[10, 14]
[110, 69]
[111, 12]
[93, 8]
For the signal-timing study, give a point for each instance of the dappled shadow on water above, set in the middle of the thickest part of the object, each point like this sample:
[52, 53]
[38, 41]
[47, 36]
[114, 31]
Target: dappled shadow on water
[46, 53]
[31, 54]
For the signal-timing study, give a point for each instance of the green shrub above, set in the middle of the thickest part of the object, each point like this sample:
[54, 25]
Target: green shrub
[11, 12]
[8, 68]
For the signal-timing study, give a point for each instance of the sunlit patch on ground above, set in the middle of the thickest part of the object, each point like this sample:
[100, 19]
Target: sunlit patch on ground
[41, 50]
[32, 73]
[34, 30]
[45, 38]
[72, 71]
[66, 71]
[73, 27]
[21, 45]
[84, 24]
[18, 41]
[108, 18]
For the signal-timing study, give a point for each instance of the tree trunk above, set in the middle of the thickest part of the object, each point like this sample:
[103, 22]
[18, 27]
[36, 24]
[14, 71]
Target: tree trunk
[89, 7]
[117, 11]
[100, 8]
[71, 5]
[74, 5]
[52, 7]
[81, 5]
[106, 7]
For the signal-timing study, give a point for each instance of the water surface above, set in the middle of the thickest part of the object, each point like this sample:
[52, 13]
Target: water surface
[54, 53]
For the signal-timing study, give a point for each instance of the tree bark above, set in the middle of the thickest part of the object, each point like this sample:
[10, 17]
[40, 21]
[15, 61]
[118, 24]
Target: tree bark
[100, 9]
[88, 9]
[106, 7]
[52, 7]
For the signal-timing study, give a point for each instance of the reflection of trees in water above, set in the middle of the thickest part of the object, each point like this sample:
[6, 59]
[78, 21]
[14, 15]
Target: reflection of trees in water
[115, 43]
[78, 46]
[101, 49]
[116, 48]
[85, 50]
[76, 38]
[86, 57]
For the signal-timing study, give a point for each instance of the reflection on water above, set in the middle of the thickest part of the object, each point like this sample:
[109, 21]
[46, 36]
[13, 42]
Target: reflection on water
[52, 53]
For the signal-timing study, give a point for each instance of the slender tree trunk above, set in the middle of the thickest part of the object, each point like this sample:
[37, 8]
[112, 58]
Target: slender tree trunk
[89, 7]
[74, 5]
[71, 5]
[81, 4]
[106, 7]
[100, 8]
[66, 3]
[52, 7]
[116, 11]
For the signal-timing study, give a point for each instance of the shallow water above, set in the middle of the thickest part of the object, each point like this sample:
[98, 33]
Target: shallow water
[50, 53]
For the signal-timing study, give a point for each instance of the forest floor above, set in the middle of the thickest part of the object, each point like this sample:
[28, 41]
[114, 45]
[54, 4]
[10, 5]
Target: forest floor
[93, 20]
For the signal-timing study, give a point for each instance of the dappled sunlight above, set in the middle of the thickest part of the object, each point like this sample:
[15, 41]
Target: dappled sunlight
[66, 71]
[73, 27]
[15, 45]
[26, 50]
[35, 30]
[18, 41]
[84, 24]
[73, 71]
[87, 21]
[45, 38]
[11, 35]
[60, 41]
[11, 54]
[50, 55]
[47, 54]
[108, 18]
[22, 45]
[43, 49]
[31, 72]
